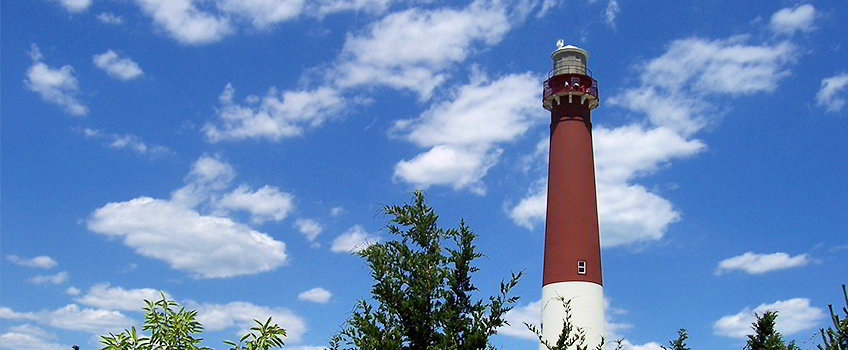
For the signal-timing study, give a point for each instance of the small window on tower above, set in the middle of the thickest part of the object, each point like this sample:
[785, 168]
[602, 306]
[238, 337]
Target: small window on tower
[581, 267]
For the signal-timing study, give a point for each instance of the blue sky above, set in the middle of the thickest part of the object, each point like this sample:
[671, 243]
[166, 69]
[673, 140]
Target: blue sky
[234, 153]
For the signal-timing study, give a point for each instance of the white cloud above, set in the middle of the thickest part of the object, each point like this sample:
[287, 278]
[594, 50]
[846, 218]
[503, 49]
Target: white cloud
[57, 278]
[174, 231]
[57, 86]
[674, 85]
[266, 203]
[326, 7]
[240, 315]
[309, 228]
[518, 316]
[353, 240]
[628, 213]
[463, 132]
[117, 67]
[611, 13]
[316, 295]
[208, 176]
[110, 18]
[116, 298]
[832, 94]
[336, 211]
[75, 6]
[125, 141]
[411, 49]
[794, 315]
[263, 13]
[207, 246]
[41, 261]
[28, 337]
[789, 20]
[72, 317]
[546, 7]
[459, 167]
[275, 116]
[754, 264]
[72, 291]
[185, 22]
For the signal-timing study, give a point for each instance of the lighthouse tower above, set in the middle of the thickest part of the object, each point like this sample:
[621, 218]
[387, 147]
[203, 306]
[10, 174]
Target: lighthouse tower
[572, 243]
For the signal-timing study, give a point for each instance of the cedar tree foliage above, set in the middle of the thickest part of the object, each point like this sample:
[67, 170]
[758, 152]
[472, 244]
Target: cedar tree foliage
[423, 297]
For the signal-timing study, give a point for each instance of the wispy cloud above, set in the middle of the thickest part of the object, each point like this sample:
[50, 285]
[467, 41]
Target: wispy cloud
[41, 261]
[833, 91]
[122, 68]
[754, 264]
[58, 86]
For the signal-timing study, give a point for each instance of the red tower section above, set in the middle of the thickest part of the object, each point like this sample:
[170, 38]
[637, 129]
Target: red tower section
[572, 242]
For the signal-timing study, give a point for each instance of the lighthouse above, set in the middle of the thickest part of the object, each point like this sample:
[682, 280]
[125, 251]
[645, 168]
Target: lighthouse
[572, 265]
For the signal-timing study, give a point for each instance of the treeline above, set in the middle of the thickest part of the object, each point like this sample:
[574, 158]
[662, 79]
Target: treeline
[422, 299]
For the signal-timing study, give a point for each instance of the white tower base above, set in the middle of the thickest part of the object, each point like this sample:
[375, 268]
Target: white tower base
[587, 310]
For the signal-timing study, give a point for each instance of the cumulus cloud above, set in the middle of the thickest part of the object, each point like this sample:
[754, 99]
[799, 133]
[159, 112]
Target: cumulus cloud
[75, 6]
[353, 240]
[832, 94]
[266, 203]
[124, 141]
[185, 22]
[274, 116]
[463, 133]
[107, 297]
[175, 231]
[412, 49]
[72, 291]
[57, 278]
[794, 315]
[54, 85]
[790, 20]
[754, 264]
[309, 228]
[72, 317]
[628, 212]
[316, 295]
[29, 337]
[117, 67]
[207, 246]
[674, 86]
[40, 262]
[530, 313]
[240, 315]
[263, 13]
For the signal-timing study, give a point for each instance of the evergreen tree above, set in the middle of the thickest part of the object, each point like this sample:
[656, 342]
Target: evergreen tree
[422, 294]
[765, 336]
[680, 342]
[836, 338]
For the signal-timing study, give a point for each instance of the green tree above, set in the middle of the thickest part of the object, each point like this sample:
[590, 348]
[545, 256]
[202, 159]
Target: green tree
[680, 342]
[571, 337]
[765, 336]
[836, 338]
[172, 327]
[422, 296]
